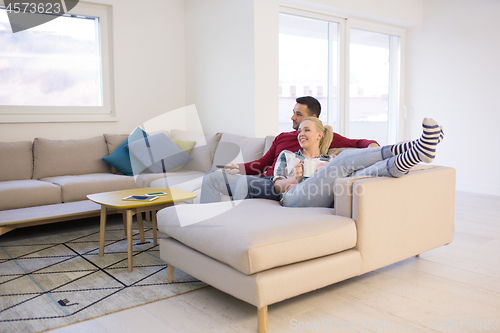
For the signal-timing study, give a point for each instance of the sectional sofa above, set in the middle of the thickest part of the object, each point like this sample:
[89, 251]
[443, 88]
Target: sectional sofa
[255, 250]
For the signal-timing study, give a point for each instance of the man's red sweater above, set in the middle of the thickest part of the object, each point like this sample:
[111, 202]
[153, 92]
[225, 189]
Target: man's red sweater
[288, 141]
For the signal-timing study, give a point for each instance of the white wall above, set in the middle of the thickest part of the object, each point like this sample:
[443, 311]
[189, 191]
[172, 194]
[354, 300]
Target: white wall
[148, 70]
[232, 64]
[453, 76]
[219, 64]
[266, 48]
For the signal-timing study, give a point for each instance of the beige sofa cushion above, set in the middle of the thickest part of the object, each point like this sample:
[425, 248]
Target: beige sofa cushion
[16, 160]
[337, 151]
[76, 188]
[268, 144]
[67, 211]
[237, 148]
[250, 244]
[114, 141]
[202, 152]
[26, 193]
[177, 178]
[267, 287]
[69, 157]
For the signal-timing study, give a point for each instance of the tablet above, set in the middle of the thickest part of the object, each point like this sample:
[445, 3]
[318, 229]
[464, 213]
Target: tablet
[140, 198]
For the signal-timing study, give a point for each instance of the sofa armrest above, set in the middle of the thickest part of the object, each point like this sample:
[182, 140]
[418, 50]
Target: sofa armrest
[397, 218]
[342, 195]
[343, 187]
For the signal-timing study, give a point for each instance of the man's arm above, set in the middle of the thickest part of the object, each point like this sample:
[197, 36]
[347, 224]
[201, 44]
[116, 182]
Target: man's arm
[340, 141]
[258, 167]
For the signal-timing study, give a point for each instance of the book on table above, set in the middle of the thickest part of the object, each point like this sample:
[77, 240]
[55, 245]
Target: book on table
[140, 198]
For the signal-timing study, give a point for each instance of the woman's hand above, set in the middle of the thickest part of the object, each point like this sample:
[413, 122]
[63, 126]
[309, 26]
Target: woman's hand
[283, 185]
[320, 165]
[289, 187]
[323, 163]
[298, 171]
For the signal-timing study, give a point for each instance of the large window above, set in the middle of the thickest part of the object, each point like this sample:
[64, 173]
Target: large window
[57, 71]
[352, 67]
[304, 64]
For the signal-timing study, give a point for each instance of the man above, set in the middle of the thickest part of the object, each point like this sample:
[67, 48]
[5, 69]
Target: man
[257, 183]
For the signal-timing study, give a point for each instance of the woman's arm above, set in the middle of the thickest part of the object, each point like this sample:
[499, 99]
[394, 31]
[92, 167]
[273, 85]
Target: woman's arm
[282, 185]
[281, 180]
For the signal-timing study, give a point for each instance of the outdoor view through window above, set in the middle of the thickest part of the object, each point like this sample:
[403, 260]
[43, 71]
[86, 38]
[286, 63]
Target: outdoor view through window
[303, 66]
[309, 65]
[54, 64]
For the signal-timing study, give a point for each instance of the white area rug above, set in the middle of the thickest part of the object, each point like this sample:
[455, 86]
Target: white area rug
[55, 280]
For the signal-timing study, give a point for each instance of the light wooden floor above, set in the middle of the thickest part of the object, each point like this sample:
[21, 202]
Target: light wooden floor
[458, 282]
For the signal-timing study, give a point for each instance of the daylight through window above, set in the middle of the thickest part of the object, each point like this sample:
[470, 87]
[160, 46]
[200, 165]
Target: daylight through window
[58, 68]
[352, 68]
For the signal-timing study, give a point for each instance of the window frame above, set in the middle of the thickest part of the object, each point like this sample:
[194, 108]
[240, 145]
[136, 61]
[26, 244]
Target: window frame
[345, 23]
[106, 112]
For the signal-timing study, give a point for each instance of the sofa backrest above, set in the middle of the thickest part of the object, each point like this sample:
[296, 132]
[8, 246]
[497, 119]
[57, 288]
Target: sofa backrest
[237, 148]
[16, 160]
[203, 151]
[69, 157]
[268, 142]
[210, 150]
[114, 141]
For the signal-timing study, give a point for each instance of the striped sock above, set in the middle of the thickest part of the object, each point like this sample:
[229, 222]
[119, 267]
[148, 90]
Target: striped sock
[423, 149]
[402, 147]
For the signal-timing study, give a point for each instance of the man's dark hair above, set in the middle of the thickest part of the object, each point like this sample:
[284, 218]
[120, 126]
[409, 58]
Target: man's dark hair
[312, 105]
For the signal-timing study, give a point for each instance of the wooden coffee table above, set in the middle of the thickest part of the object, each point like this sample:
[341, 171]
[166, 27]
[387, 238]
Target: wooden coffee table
[130, 208]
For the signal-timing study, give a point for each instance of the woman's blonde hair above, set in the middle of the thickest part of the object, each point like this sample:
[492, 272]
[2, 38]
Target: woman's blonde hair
[327, 130]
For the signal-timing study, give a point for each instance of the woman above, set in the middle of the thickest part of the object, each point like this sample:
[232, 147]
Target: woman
[314, 139]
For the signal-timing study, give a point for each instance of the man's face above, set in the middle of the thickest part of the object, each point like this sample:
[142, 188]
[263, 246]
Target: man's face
[300, 111]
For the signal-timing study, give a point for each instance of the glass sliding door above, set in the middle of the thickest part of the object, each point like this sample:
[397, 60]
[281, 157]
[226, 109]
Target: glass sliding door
[352, 66]
[308, 66]
[373, 85]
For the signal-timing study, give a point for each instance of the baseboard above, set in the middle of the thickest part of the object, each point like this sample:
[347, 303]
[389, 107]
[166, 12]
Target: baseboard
[478, 188]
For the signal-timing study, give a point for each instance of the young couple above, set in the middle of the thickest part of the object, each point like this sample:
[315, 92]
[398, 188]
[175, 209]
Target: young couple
[294, 190]
[254, 179]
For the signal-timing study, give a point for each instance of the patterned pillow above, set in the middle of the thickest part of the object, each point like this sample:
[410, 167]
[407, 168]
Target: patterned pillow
[158, 153]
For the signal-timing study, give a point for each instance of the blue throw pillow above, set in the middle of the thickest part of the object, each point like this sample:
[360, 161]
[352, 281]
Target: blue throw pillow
[120, 158]
[158, 153]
